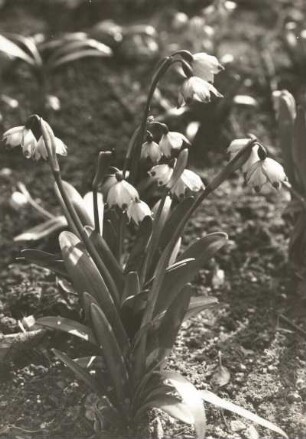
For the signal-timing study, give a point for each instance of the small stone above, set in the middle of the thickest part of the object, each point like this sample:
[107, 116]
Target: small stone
[237, 426]
[251, 433]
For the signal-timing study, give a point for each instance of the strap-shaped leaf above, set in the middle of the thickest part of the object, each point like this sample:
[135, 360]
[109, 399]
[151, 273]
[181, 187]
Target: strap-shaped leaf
[285, 136]
[204, 248]
[69, 326]
[86, 278]
[170, 405]
[85, 53]
[107, 257]
[174, 219]
[131, 286]
[299, 146]
[199, 304]
[89, 206]
[227, 405]
[47, 260]
[163, 338]
[77, 202]
[80, 373]
[113, 354]
[111, 236]
[42, 230]
[135, 259]
[29, 44]
[191, 397]
[76, 45]
[13, 50]
[198, 253]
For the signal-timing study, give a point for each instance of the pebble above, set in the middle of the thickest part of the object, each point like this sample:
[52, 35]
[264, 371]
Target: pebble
[251, 433]
[237, 425]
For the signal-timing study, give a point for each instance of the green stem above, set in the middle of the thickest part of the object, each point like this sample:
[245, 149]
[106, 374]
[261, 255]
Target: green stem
[121, 236]
[161, 70]
[153, 242]
[96, 210]
[88, 244]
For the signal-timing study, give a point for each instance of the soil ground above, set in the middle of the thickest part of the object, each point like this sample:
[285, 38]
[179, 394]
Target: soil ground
[251, 276]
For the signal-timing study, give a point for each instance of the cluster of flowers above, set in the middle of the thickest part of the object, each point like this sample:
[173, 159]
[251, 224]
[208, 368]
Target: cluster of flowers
[198, 86]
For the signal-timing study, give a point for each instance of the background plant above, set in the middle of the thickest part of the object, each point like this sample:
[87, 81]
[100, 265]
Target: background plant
[292, 140]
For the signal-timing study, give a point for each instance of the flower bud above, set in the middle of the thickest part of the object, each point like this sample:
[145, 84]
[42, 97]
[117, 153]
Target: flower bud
[284, 96]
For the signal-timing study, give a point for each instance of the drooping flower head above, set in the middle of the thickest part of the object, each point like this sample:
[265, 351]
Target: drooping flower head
[29, 137]
[120, 192]
[171, 142]
[265, 172]
[151, 151]
[205, 66]
[189, 181]
[196, 89]
[161, 174]
[236, 146]
[137, 210]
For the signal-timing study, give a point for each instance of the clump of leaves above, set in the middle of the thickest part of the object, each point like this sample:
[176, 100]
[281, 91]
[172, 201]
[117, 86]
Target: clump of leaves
[292, 139]
[135, 298]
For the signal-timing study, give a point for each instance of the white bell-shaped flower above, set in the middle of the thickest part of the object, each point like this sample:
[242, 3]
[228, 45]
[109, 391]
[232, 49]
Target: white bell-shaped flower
[137, 210]
[121, 194]
[13, 137]
[161, 174]
[205, 66]
[151, 151]
[267, 171]
[189, 181]
[196, 89]
[172, 141]
[236, 145]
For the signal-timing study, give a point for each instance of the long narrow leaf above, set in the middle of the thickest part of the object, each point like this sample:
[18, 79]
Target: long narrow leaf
[198, 253]
[174, 219]
[44, 259]
[163, 338]
[227, 405]
[170, 405]
[112, 353]
[107, 257]
[199, 304]
[86, 278]
[77, 201]
[69, 326]
[299, 146]
[77, 56]
[191, 397]
[78, 370]
[13, 50]
[42, 230]
[135, 260]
